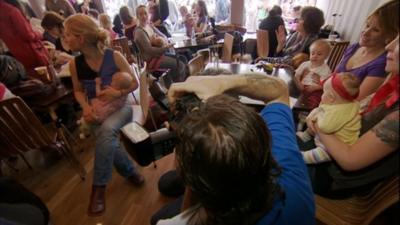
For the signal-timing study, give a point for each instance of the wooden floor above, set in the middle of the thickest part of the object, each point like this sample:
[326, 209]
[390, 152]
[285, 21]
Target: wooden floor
[67, 196]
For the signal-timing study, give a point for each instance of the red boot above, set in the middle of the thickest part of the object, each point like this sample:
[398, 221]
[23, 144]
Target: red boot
[97, 204]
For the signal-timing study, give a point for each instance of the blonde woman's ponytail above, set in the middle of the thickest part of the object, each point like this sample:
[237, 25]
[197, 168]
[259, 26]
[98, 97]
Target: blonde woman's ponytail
[103, 39]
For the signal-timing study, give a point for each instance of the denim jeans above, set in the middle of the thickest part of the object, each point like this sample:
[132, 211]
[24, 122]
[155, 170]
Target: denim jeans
[109, 150]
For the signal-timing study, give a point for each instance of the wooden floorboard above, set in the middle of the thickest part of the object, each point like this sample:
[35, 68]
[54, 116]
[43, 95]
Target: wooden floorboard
[67, 196]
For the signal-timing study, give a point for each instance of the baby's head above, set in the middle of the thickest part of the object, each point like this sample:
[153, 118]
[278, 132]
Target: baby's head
[319, 51]
[157, 41]
[183, 10]
[339, 88]
[121, 80]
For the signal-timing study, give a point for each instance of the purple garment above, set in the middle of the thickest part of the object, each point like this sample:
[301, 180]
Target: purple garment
[374, 68]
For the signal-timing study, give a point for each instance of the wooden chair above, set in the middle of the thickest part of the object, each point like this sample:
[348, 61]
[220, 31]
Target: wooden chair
[196, 65]
[122, 45]
[262, 43]
[227, 48]
[361, 209]
[141, 108]
[21, 131]
[136, 54]
[338, 48]
[206, 55]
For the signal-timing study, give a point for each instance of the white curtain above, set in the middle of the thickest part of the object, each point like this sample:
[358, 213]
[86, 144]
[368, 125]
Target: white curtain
[353, 15]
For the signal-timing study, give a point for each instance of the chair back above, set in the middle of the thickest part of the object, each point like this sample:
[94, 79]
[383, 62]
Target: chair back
[136, 54]
[338, 48]
[141, 95]
[206, 55]
[196, 65]
[144, 91]
[20, 129]
[122, 45]
[227, 48]
[359, 209]
[262, 43]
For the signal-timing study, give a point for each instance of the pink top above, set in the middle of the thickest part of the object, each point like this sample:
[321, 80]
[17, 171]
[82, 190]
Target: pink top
[103, 109]
[113, 35]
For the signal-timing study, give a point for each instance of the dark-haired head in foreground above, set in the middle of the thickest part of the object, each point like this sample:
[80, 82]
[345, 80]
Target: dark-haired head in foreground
[224, 157]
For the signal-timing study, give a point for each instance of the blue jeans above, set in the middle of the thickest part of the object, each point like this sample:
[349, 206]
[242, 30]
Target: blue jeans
[109, 150]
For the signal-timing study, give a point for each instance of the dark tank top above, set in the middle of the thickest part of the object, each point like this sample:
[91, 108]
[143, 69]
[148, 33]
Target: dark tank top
[87, 76]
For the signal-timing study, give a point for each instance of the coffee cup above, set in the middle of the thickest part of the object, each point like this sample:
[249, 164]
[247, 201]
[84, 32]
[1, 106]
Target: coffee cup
[332, 37]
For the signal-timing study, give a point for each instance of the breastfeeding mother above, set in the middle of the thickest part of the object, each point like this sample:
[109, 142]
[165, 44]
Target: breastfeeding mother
[154, 56]
[367, 58]
[84, 35]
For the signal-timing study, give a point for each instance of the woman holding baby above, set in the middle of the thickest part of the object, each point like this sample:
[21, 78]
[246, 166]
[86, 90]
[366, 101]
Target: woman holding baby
[84, 35]
[367, 58]
[374, 156]
[153, 45]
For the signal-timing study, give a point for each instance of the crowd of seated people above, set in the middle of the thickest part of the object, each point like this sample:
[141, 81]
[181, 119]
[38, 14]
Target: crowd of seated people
[262, 184]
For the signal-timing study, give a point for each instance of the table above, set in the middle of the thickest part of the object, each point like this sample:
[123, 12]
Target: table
[51, 102]
[192, 43]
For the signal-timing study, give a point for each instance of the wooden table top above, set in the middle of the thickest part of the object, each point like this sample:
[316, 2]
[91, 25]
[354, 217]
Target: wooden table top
[192, 43]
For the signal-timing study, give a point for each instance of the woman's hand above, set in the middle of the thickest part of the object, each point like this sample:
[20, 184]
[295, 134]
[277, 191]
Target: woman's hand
[109, 93]
[88, 114]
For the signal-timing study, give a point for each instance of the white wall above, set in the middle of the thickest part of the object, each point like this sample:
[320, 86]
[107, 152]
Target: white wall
[354, 14]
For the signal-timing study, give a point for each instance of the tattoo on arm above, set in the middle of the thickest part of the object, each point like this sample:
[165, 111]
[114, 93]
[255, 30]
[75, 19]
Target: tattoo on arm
[388, 129]
[261, 81]
[263, 87]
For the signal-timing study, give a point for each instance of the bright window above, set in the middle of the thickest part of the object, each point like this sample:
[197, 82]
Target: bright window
[112, 6]
[257, 10]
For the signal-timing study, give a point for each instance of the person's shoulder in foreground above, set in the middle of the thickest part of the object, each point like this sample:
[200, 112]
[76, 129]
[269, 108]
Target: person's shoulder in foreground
[298, 205]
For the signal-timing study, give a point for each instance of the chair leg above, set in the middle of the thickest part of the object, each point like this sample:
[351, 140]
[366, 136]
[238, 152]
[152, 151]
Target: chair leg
[25, 160]
[9, 165]
[70, 138]
[68, 151]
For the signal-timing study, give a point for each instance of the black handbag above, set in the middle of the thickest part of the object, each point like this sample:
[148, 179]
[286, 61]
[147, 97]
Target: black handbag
[145, 147]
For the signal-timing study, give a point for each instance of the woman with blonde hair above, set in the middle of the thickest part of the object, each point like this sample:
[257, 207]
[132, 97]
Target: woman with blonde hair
[105, 22]
[84, 35]
[155, 57]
